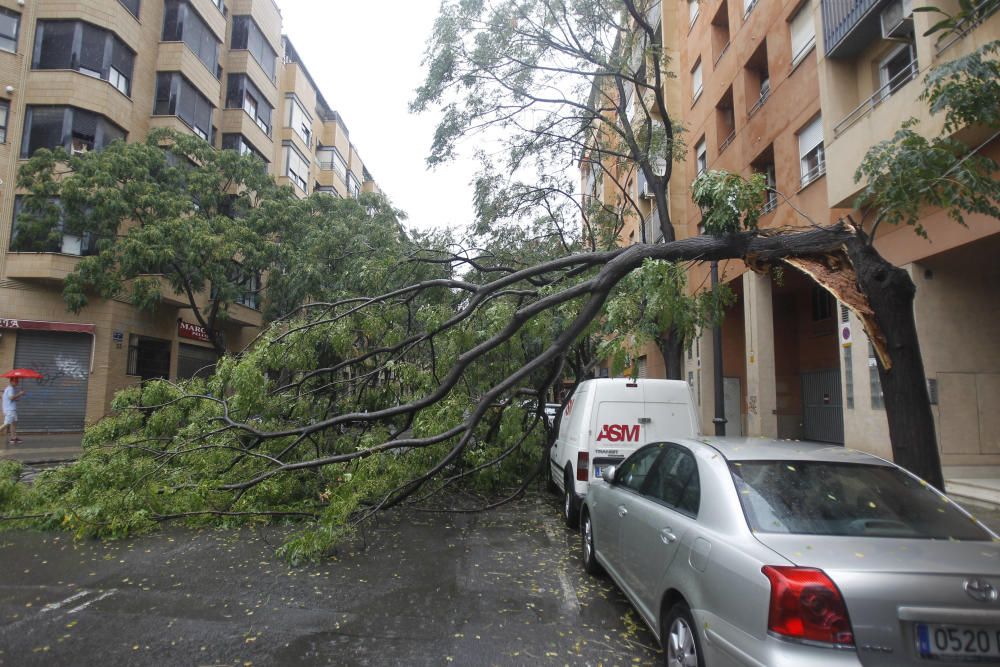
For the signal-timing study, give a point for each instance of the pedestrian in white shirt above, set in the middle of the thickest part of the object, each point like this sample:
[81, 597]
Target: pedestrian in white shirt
[10, 398]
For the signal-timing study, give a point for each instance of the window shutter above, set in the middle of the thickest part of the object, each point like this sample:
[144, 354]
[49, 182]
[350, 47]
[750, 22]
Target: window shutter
[803, 32]
[810, 136]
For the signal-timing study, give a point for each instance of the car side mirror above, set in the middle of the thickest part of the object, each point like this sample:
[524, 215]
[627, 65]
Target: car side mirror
[609, 474]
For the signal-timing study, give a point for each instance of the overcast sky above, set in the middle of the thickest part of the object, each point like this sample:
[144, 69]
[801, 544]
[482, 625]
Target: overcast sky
[365, 57]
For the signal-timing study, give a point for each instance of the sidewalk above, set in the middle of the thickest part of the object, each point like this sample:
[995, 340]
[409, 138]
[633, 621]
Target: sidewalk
[41, 447]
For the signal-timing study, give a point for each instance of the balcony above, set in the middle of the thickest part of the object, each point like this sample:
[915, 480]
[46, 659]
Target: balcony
[895, 83]
[244, 316]
[850, 25]
[43, 267]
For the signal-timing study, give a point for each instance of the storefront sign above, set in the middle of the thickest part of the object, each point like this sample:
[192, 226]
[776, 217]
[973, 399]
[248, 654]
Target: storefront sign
[192, 331]
[34, 325]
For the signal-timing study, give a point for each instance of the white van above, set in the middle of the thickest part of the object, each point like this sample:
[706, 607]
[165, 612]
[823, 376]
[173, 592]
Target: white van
[608, 419]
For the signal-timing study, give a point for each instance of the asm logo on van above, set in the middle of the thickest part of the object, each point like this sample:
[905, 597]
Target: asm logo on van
[619, 433]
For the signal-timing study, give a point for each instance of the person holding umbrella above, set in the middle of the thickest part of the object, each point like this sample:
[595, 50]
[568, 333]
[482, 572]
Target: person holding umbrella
[10, 397]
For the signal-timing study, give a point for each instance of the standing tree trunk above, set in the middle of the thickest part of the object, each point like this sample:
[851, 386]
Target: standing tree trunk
[890, 291]
[669, 343]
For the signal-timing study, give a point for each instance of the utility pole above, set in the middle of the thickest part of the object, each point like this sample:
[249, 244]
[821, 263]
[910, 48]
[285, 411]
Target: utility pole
[720, 393]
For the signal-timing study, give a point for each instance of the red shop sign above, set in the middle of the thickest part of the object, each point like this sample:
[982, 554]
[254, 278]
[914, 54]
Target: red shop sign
[34, 325]
[192, 331]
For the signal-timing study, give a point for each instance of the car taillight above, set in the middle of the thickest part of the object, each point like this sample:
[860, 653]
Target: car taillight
[807, 605]
[582, 466]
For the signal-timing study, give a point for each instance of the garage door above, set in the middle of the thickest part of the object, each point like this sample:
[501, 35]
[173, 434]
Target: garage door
[58, 402]
[195, 361]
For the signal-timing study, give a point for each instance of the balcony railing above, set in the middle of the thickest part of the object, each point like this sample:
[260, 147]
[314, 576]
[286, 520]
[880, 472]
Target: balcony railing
[651, 225]
[725, 49]
[764, 94]
[980, 13]
[880, 95]
[843, 18]
[728, 140]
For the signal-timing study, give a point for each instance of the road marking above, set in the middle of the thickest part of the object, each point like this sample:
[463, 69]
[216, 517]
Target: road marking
[56, 605]
[90, 602]
[569, 602]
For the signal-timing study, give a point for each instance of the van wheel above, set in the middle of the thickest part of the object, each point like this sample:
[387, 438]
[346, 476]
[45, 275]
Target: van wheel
[571, 511]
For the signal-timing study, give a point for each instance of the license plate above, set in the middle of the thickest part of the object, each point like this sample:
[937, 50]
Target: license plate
[967, 642]
[598, 471]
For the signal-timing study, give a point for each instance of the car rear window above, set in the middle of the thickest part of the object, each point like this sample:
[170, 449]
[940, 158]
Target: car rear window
[830, 498]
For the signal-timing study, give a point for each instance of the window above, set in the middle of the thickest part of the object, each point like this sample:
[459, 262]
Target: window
[803, 30]
[181, 23]
[76, 130]
[875, 383]
[720, 31]
[249, 295]
[296, 167]
[239, 143]
[353, 186]
[812, 159]
[692, 11]
[299, 120]
[633, 471]
[175, 96]
[220, 5]
[85, 48]
[700, 157]
[846, 499]
[696, 81]
[641, 367]
[822, 304]
[328, 190]
[132, 6]
[764, 164]
[10, 25]
[247, 35]
[4, 116]
[148, 358]
[758, 78]
[31, 236]
[241, 93]
[674, 481]
[748, 6]
[897, 69]
[331, 159]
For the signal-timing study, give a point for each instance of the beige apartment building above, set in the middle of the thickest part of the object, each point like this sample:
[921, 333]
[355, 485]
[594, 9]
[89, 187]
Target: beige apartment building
[799, 91]
[83, 73]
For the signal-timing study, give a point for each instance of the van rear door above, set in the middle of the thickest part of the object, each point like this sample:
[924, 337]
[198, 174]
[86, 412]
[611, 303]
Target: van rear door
[668, 421]
[618, 431]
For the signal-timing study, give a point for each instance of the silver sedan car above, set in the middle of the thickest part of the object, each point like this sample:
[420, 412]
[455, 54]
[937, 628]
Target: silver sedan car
[778, 553]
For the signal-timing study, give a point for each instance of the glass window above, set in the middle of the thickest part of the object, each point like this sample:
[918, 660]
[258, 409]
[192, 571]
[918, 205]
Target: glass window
[296, 167]
[10, 24]
[38, 236]
[241, 93]
[897, 69]
[353, 186]
[247, 35]
[4, 116]
[239, 143]
[132, 6]
[874, 381]
[812, 159]
[299, 120]
[331, 159]
[674, 480]
[181, 23]
[692, 11]
[803, 33]
[700, 157]
[175, 96]
[328, 190]
[76, 130]
[856, 499]
[696, 80]
[633, 471]
[85, 48]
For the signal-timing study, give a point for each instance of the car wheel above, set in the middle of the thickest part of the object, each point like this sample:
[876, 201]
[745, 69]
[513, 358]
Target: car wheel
[590, 564]
[681, 645]
[550, 482]
[571, 512]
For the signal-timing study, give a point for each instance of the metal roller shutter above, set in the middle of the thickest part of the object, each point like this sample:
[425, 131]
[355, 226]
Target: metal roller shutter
[195, 361]
[59, 402]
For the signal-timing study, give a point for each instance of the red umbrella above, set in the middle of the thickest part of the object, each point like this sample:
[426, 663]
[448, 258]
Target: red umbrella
[24, 373]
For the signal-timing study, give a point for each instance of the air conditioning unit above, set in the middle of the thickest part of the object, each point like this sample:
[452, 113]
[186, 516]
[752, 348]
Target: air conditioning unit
[897, 19]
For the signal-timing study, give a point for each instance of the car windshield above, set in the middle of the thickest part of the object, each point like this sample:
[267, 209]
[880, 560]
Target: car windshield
[831, 498]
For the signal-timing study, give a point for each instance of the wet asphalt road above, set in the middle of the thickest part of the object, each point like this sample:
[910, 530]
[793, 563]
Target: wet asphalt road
[501, 588]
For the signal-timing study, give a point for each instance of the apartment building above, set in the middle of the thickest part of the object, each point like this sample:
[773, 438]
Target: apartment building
[799, 91]
[872, 58]
[81, 74]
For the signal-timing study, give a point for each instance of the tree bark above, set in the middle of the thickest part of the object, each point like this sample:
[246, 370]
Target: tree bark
[891, 293]
[673, 354]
